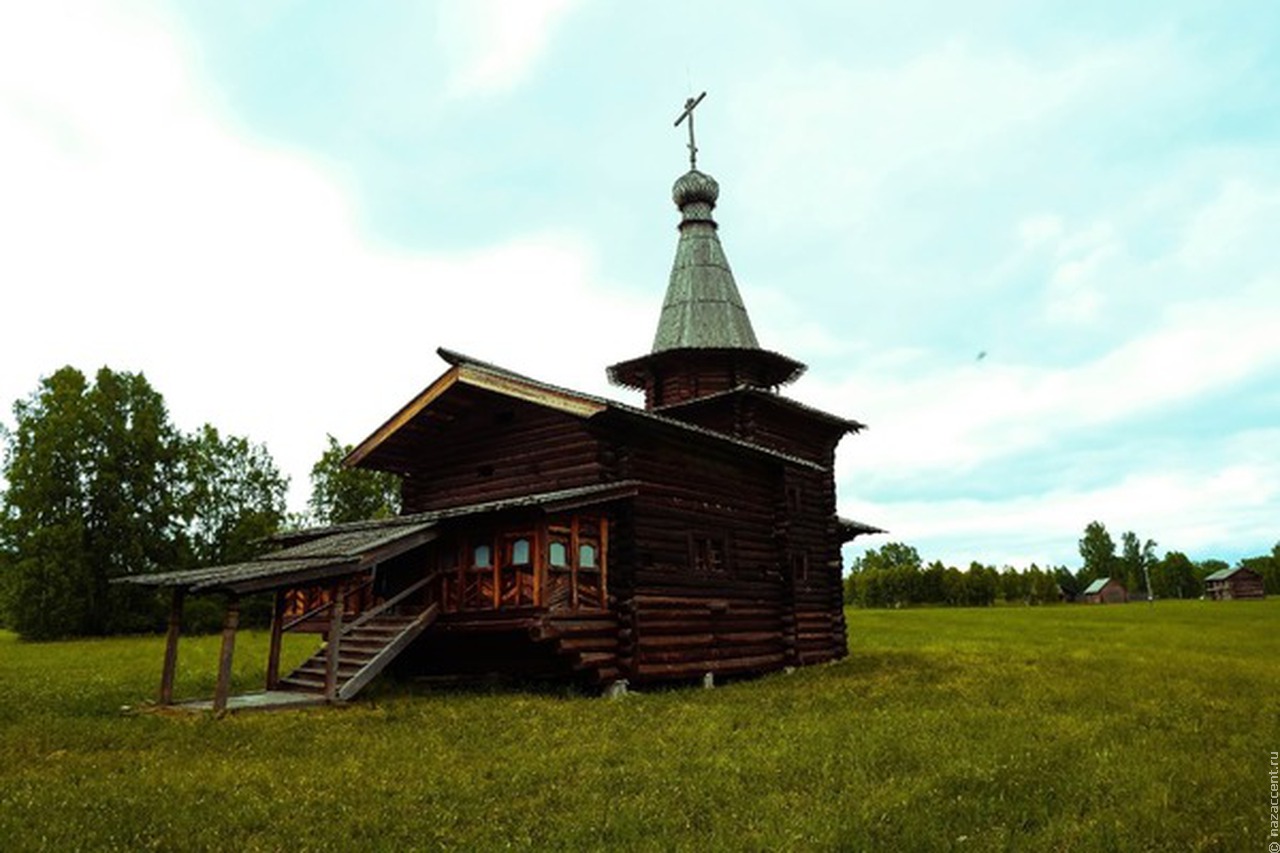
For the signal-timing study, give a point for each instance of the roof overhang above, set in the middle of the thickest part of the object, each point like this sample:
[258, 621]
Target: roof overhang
[768, 398]
[850, 529]
[776, 368]
[466, 372]
[319, 554]
[477, 375]
[334, 555]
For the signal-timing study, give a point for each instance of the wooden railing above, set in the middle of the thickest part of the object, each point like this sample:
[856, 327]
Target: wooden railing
[374, 612]
[325, 605]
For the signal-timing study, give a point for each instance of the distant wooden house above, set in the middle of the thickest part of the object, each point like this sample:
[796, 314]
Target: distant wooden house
[1105, 591]
[551, 532]
[1227, 584]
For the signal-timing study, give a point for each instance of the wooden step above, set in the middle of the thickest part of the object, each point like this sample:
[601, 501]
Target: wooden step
[304, 681]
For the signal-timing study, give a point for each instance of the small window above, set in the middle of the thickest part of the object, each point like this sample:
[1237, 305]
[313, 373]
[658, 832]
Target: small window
[800, 565]
[586, 556]
[520, 552]
[793, 498]
[558, 555]
[708, 554]
[482, 557]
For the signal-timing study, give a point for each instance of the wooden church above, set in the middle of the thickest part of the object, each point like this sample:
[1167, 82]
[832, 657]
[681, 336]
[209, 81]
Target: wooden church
[549, 532]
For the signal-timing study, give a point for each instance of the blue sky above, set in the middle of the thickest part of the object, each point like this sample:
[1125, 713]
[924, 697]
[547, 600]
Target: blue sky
[278, 210]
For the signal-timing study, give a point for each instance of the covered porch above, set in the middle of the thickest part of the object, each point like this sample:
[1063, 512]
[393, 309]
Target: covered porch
[372, 588]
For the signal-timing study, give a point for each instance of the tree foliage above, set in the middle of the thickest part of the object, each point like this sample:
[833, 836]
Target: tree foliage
[340, 494]
[92, 496]
[1098, 551]
[100, 486]
[233, 497]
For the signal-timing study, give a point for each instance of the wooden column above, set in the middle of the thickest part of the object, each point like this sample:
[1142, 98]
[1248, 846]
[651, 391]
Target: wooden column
[539, 561]
[331, 651]
[277, 633]
[573, 563]
[495, 552]
[229, 626]
[171, 646]
[603, 560]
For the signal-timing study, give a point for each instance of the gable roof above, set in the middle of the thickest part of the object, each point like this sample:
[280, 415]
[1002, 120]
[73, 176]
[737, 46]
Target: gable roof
[1097, 586]
[341, 549]
[467, 371]
[1225, 574]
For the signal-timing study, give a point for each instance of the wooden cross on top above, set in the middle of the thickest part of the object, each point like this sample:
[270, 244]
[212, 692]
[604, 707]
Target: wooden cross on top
[689, 104]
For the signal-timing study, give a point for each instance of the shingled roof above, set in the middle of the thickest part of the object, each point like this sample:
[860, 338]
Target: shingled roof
[327, 552]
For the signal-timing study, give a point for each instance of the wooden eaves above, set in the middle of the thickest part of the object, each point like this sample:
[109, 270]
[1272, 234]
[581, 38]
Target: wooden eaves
[470, 372]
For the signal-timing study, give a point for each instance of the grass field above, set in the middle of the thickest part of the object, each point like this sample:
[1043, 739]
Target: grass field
[1058, 728]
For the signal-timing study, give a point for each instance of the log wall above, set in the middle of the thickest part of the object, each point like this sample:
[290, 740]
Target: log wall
[491, 455]
[682, 615]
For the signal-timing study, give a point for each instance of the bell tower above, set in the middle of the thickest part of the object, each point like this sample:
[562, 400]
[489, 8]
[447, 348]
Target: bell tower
[704, 343]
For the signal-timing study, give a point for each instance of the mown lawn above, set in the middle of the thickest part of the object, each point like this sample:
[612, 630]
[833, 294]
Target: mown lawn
[1059, 728]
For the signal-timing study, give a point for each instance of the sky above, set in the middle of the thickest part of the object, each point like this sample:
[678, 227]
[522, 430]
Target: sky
[1034, 246]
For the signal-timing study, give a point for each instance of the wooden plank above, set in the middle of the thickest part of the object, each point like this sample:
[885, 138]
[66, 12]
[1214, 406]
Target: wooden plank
[495, 556]
[277, 632]
[334, 641]
[230, 624]
[171, 646]
[573, 563]
[604, 561]
[540, 540]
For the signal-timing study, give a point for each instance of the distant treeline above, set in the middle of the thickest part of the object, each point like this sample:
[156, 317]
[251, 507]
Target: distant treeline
[895, 576]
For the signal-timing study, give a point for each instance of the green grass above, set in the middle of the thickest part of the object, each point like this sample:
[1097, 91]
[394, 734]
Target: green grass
[1060, 728]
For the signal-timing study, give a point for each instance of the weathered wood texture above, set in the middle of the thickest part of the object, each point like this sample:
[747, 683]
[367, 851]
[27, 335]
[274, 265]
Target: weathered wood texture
[770, 597]
[700, 374]
[725, 561]
[1243, 583]
[170, 667]
[500, 448]
[230, 624]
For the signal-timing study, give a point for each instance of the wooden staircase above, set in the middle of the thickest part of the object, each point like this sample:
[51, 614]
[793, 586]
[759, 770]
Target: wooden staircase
[365, 647]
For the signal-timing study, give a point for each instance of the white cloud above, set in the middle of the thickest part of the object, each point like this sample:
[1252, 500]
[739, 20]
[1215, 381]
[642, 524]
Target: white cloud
[961, 116]
[494, 44]
[141, 234]
[1185, 505]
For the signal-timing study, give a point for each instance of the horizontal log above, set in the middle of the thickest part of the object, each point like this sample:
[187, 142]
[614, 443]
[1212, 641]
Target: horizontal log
[694, 669]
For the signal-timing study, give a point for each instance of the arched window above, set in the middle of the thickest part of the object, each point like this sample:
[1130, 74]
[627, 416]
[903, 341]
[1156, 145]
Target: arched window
[520, 552]
[482, 557]
[586, 556]
[558, 555]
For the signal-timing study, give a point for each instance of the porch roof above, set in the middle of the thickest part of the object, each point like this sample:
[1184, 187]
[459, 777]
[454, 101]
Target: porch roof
[332, 555]
[327, 552]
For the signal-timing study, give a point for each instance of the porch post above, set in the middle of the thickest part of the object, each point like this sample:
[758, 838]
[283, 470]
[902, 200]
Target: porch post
[171, 646]
[277, 631]
[229, 626]
[604, 561]
[335, 637]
